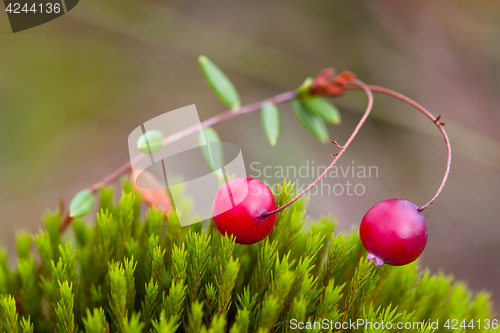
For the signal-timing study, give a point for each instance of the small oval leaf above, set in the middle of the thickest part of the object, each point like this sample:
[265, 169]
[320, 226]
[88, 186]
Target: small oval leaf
[212, 152]
[219, 83]
[271, 122]
[322, 107]
[150, 142]
[312, 123]
[81, 204]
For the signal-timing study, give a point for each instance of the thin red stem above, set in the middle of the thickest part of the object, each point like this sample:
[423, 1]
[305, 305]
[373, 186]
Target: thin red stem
[289, 95]
[360, 85]
[113, 176]
[66, 222]
[435, 120]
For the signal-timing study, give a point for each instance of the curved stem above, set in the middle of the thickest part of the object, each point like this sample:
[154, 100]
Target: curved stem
[286, 96]
[289, 95]
[435, 120]
[360, 85]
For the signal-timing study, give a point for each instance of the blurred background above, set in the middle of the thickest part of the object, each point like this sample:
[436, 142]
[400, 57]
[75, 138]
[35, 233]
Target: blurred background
[73, 89]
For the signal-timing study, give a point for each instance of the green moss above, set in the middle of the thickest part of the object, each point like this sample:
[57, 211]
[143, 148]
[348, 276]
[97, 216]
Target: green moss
[125, 273]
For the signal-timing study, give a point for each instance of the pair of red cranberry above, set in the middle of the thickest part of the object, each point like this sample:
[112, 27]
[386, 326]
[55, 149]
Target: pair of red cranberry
[393, 231]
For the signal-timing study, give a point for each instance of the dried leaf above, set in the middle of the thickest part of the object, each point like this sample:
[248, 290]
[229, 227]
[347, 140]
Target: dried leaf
[154, 196]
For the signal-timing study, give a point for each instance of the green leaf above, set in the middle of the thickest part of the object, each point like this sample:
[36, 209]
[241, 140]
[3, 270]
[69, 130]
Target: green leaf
[219, 83]
[305, 88]
[312, 123]
[321, 107]
[271, 122]
[81, 204]
[212, 153]
[208, 135]
[150, 142]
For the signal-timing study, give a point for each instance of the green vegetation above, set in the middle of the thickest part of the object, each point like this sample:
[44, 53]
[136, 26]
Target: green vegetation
[128, 273]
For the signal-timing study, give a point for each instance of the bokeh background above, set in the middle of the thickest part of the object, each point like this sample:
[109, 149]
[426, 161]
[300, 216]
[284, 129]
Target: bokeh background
[73, 89]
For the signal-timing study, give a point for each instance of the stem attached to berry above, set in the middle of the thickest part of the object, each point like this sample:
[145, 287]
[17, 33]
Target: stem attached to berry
[435, 120]
[364, 87]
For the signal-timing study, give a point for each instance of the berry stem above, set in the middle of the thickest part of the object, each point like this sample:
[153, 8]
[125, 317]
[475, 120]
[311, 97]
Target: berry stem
[359, 84]
[435, 120]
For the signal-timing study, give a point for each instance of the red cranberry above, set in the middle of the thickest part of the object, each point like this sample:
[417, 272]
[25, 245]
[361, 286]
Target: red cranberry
[393, 232]
[238, 208]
